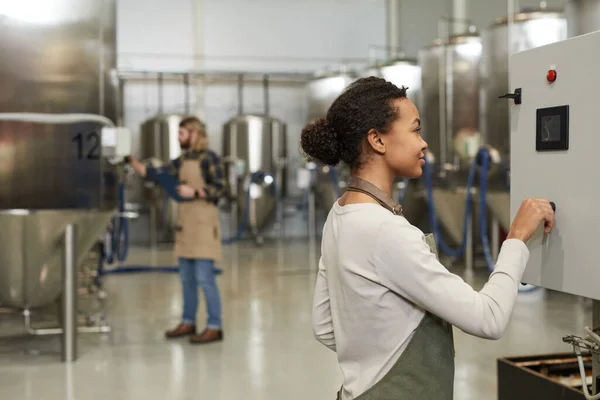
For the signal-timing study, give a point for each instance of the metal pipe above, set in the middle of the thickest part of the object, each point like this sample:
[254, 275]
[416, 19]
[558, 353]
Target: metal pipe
[58, 331]
[69, 296]
[595, 357]
[442, 93]
[459, 13]
[101, 65]
[495, 238]
[393, 23]
[160, 93]
[186, 83]
[469, 247]
[198, 73]
[266, 94]
[42, 118]
[240, 94]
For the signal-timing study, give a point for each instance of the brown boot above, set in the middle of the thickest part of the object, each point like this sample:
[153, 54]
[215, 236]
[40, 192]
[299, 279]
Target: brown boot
[207, 336]
[181, 330]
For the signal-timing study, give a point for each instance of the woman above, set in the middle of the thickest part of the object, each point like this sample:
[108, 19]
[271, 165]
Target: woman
[383, 302]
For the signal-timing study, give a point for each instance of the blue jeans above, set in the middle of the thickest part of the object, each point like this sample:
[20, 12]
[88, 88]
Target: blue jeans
[194, 273]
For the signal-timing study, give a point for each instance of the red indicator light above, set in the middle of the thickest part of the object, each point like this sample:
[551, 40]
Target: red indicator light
[551, 76]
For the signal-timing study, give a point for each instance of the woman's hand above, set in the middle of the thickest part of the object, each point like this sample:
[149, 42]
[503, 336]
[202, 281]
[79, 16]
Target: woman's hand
[528, 218]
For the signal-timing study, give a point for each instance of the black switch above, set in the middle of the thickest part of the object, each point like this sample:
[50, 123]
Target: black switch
[516, 96]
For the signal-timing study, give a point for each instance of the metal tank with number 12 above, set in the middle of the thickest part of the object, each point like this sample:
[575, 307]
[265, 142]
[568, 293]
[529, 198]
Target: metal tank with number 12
[53, 175]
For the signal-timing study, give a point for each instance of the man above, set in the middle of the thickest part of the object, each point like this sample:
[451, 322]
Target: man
[198, 236]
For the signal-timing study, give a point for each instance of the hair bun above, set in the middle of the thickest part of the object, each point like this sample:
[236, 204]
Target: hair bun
[319, 141]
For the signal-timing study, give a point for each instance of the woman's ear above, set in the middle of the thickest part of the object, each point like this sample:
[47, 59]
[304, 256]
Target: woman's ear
[375, 141]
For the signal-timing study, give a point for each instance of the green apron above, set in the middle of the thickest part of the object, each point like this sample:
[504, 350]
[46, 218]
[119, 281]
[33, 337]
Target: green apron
[425, 370]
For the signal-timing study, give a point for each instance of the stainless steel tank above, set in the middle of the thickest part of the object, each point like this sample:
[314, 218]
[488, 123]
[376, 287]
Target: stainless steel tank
[583, 16]
[323, 90]
[449, 101]
[53, 175]
[159, 144]
[253, 144]
[530, 29]
[400, 72]
[449, 105]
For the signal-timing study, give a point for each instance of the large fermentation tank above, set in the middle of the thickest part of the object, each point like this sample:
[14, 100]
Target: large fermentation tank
[323, 90]
[583, 16]
[449, 105]
[255, 144]
[400, 72]
[57, 57]
[159, 145]
[530, 29]
[449, 100]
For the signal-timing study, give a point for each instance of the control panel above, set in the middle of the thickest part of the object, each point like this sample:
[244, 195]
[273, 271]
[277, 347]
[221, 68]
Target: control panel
[554, 146]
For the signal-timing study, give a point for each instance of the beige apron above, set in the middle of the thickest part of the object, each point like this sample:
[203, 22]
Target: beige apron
[198, 233]
[425, 370]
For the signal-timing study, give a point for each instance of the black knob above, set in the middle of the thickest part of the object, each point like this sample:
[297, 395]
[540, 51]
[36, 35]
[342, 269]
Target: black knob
[553, 206]
[516, 96]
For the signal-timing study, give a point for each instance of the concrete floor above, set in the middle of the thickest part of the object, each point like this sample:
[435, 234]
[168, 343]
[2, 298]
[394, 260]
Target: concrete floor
[268, 352]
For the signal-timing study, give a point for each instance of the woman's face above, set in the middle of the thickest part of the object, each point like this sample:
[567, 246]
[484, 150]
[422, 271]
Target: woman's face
[404, 147]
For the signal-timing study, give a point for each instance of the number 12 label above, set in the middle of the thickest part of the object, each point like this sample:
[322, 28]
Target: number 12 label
[88, 145]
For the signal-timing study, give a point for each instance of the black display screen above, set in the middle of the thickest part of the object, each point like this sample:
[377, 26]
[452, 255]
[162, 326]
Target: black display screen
[552, 128]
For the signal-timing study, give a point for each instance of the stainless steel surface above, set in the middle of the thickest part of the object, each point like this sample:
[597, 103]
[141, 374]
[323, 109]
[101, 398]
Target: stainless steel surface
[31, 254]
[469, 249]
[530, 30]
[595, 357]
[453, 137]
[401, 72]
[450, 211]
[393, 14]
[499, 205]
[57, 59]
[258, 143]
[495, 237]
[583, 16]
[322, 92]
[53, 62]
[159, 137]
[159, 144]
[324, 186]
[69, 296]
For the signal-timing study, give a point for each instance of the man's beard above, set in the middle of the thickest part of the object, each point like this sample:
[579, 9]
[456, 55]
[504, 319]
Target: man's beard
[184, 145]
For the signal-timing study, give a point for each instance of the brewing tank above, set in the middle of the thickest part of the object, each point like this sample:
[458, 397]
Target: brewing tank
[449, 99]
[323, 90]
[583, 16]
[255, 144]
[400, 72]
[52, 175]
[530, 30]
[159, 145]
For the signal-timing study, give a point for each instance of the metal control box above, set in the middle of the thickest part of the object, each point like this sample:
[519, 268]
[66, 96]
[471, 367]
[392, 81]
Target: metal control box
[555, 142]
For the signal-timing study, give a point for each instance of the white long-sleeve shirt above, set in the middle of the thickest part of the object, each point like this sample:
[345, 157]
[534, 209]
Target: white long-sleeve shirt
[376, 278]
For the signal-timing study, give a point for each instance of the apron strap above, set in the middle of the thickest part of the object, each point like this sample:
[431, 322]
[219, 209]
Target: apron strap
[365, 187]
